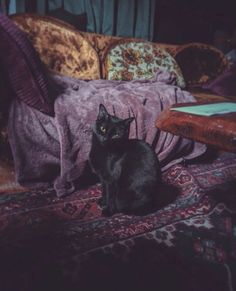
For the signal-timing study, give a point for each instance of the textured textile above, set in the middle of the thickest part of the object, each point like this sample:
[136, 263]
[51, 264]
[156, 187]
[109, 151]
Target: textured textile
[23, 68]
[61, 48]
[49, 243]
[200, 63]
[99, 42]
[224, 84]
[47, 149]
[132, 60]
[216, 173]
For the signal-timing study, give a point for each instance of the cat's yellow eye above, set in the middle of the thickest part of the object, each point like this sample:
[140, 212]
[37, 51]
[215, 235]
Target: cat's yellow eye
[103, 129]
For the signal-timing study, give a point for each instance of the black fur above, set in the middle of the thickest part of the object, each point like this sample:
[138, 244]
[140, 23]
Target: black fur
[127, 168]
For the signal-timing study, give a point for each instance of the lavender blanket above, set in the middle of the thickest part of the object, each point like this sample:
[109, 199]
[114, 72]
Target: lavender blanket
[55, 150]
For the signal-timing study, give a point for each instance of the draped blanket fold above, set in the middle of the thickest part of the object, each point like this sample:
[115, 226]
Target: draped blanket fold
[55, 149]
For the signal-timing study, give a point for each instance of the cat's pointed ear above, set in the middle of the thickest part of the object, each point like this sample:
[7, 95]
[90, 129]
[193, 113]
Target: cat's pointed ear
[102, 112]
[128, 121]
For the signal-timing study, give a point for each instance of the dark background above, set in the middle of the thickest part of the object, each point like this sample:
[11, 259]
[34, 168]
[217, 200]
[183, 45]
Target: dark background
[182, 21]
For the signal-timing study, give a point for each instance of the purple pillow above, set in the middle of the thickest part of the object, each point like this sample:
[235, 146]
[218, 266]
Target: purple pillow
[224, 84]
[23, 68]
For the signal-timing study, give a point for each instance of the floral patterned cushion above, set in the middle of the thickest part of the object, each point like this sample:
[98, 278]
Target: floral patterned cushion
[129, 60]
[61, 48]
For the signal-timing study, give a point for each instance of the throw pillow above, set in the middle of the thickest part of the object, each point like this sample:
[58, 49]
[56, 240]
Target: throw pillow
[200, 63]
[61, 48]
[135, 60]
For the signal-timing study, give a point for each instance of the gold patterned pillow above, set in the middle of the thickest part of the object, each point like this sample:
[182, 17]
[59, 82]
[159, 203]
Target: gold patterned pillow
[61, 48]
[132, 60]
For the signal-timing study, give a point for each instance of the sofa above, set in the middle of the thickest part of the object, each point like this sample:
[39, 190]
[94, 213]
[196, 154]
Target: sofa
[64, 243]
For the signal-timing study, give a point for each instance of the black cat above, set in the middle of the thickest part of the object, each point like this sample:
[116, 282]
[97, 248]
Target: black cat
[127, 168]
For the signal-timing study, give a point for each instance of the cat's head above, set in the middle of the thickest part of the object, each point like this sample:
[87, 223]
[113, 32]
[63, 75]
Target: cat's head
[109, 127]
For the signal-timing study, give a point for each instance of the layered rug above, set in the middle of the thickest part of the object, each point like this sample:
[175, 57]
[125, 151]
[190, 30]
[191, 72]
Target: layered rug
[51, 243]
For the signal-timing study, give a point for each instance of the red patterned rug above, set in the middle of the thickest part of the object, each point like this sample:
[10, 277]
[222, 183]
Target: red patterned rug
[48, 243]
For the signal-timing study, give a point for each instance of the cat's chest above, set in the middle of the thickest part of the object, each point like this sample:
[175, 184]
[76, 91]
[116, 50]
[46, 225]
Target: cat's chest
[106, 164]
[114, 164]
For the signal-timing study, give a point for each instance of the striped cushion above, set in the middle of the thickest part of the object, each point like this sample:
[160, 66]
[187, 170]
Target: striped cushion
[23, 68]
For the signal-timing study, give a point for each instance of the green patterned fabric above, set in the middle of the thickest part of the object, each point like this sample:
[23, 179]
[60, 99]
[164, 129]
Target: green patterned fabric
[130, 60]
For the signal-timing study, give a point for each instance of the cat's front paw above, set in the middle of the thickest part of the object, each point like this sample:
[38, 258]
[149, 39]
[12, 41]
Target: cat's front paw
[102, 203]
